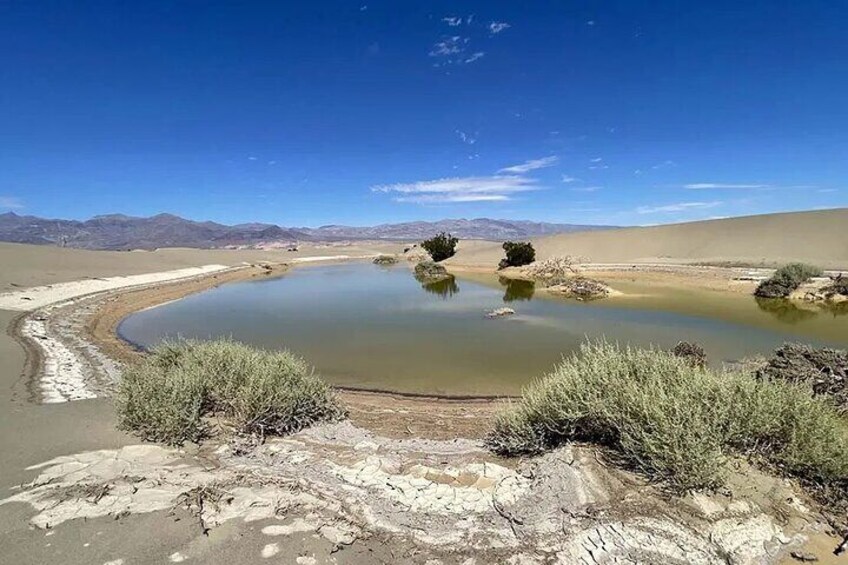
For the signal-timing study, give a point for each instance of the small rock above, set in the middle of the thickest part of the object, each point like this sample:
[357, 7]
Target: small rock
[804, 556]
[500, 312]
[429, 271]
[270, 550]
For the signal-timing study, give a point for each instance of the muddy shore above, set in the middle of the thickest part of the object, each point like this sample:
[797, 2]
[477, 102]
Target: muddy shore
[393, 414]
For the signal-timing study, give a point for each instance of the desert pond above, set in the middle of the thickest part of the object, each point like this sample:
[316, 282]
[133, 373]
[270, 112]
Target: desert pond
[375, 327]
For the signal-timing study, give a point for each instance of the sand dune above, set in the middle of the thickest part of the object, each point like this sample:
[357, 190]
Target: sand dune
[819, 237]
[35, 265]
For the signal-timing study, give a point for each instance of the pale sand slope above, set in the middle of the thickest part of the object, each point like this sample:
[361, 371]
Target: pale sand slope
[24, 266]
[819, 237]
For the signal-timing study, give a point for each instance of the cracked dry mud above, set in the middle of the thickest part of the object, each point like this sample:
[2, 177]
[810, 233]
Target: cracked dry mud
[446, 500]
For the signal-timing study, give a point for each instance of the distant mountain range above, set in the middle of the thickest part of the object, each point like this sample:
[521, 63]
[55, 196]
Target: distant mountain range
[117, 231]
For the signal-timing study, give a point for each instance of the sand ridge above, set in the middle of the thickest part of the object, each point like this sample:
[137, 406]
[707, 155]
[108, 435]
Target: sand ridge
[767, 240]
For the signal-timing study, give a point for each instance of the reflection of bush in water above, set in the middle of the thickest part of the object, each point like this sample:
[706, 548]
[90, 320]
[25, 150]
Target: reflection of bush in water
[784, 310]
[445, 288]
[788, 312]
[517, 289]
[835, 308]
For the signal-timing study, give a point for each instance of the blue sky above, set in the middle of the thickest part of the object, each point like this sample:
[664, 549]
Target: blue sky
[307, 113]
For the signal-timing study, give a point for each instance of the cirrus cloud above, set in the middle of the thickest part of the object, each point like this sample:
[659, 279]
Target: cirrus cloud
[497, 27]
[716, 185]
[677, 207]
[494, 188]
[531, 165]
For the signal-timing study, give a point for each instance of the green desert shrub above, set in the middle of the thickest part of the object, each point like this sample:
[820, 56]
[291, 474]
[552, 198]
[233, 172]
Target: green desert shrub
[518, 254]
[441, 246]
[786, 279]
[673, 421]
[167, 395]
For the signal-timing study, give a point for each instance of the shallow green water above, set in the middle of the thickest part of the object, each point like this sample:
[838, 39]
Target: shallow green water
[376, 327]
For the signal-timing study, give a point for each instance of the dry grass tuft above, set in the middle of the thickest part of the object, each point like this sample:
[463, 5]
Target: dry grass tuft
[166, 396]
[673, 421]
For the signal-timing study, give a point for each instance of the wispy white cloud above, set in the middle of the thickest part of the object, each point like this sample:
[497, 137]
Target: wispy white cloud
[827, 190]
[448, 46]
[596, 159]
[668, 163]
[711, 185]
[497, 27]
[586, 188]
[10, 203]
[678, 207]
[453, 21]
[531, 165]
[569, 179]
[494, 188]
[467, 138]
[454, 51]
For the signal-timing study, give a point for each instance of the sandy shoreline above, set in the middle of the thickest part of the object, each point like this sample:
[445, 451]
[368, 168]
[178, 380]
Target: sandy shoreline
[96, 319]
[95, 342]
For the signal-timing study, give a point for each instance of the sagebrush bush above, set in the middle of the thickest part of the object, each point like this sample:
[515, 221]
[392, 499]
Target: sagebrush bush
[518, 254]
[441, 246]
[787, 279]
[673, 421]
[166, 396]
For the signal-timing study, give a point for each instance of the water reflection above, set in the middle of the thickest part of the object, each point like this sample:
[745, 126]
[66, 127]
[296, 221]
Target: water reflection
[837, 309]
[789, 312]
[517, 289]
[445, 288]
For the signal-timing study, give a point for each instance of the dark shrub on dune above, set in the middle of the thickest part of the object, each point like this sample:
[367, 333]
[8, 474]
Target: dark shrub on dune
[441, 246]
[518, 254]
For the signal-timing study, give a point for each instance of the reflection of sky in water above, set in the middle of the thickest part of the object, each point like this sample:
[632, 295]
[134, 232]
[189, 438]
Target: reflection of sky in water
[377, 327]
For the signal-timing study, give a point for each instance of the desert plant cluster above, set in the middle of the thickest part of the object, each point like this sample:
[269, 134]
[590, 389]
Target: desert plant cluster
[553, 271]
[441, 246]
[824, 371]
[169, 394]
[838, 286]
[518, 254]
[786, 280]
[676, 422]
